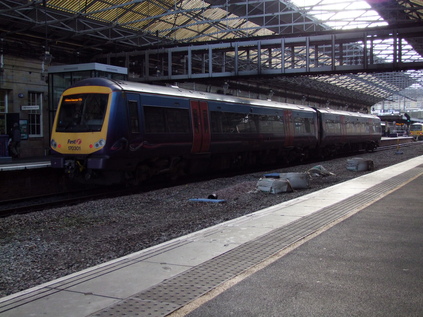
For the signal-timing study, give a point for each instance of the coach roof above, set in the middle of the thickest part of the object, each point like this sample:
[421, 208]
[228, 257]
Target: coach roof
[117, 85]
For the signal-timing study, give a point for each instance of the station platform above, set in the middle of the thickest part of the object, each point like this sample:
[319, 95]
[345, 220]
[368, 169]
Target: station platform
[15, 164]
[353, 249]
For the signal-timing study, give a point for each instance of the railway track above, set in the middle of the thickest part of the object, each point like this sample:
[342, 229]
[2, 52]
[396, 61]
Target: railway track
[398, 145]
[42, 202]
[46, 201]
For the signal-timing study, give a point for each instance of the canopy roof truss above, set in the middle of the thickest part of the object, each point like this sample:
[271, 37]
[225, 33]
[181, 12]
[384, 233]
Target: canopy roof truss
[86, 30]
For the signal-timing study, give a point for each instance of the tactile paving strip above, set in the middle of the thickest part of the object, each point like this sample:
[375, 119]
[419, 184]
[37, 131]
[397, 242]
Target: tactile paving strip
[166, 297]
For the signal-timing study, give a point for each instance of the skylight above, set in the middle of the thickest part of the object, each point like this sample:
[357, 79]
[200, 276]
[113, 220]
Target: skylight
[342, 14]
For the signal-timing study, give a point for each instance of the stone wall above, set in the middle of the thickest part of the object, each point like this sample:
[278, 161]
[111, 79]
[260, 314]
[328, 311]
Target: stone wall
[20, 77]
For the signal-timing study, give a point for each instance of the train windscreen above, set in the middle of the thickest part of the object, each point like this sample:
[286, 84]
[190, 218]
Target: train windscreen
[82, 113]
[416, 127]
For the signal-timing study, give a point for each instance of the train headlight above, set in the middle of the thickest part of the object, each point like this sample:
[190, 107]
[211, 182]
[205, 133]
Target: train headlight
[99, 144]
[53, 144]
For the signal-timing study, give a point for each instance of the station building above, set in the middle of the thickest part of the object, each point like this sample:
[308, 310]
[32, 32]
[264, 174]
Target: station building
[24, 99]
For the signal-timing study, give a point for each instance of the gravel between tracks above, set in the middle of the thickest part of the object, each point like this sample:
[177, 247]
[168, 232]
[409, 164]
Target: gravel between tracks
[42, 246]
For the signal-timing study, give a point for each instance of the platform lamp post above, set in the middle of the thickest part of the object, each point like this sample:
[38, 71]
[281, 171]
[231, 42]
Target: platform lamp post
[46, 60]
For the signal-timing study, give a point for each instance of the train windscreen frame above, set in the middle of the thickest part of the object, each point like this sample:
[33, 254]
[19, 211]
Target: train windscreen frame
[416, 127]
[82, 112]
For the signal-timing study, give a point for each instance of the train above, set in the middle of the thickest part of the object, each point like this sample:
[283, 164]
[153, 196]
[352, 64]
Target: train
[110, 131]
[416, 131]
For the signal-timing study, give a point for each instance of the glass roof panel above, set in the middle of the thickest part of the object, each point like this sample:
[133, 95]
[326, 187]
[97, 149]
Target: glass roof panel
[342, 14]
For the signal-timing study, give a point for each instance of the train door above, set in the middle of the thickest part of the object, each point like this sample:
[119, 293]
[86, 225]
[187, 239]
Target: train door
[200, 126]
[133, 121]
[133, 114]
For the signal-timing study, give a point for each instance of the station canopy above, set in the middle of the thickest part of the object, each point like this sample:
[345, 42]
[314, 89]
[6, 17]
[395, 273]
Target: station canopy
[82, 30]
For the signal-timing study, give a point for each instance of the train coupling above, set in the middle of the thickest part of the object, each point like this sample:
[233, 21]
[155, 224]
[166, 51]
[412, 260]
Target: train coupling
[73, 167]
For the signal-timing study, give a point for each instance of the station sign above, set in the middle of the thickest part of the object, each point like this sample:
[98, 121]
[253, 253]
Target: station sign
[32, 107]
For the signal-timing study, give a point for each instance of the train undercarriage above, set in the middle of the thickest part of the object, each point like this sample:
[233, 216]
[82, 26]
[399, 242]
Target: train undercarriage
[79, 170]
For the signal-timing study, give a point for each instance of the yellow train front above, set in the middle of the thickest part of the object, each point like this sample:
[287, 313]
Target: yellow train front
[81, 129]
[97, 135]
[416, 131]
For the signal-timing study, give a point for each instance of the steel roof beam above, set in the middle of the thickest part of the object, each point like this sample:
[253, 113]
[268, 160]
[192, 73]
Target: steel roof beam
[355, 48]
[93, 26]
[334, 53]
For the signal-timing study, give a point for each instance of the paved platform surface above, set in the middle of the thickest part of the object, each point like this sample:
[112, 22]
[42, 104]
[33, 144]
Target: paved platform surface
[371, 264]
[353, 249]
[9, 164]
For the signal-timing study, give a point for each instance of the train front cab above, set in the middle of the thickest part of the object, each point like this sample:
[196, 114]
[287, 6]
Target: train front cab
[416, 131]
[80, 129]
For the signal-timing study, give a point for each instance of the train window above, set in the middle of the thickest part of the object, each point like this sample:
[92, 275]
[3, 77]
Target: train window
[82, 113]
[133, 116]
[299, 126]
[350, 127]
[154, 120]
[333, 127]
[177, 120]
[238, 123]
[271, 124]
[216, 122]
[230, 122]
[166, 120]
[363, 128]
[416, 127]
[303, 126]
[247, 124]
[308, 125]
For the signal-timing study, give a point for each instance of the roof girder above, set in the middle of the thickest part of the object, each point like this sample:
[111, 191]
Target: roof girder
[86, 28]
